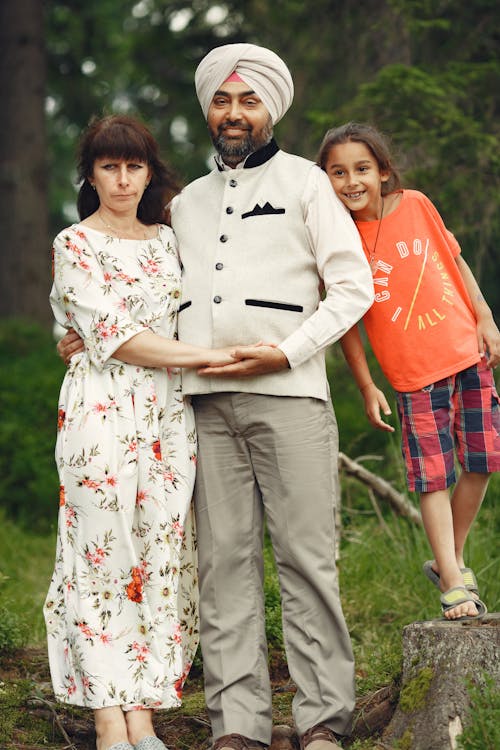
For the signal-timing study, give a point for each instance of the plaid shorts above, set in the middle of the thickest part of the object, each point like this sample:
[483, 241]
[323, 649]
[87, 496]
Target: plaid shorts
[461, 412]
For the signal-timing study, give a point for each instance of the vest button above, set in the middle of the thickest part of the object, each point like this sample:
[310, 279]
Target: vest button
[232, 183]
[229, 210]
[217, 299]
[223, 238]
[219, 266]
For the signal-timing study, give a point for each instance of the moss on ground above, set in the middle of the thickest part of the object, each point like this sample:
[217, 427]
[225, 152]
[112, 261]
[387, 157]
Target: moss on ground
[30, 718]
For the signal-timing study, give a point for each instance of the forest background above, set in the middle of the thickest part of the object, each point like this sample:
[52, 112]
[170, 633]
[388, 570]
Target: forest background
[427, 72]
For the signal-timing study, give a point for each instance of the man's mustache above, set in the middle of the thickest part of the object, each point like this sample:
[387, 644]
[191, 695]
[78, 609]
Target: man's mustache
[233, 124]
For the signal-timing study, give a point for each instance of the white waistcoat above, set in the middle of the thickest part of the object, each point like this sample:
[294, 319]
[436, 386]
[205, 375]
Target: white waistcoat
[249, 271]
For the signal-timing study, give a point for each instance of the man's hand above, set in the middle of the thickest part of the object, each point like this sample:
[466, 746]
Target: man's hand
[70, 344]
[253, 360]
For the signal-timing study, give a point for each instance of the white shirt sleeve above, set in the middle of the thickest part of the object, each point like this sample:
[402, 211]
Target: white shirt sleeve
[341, 263]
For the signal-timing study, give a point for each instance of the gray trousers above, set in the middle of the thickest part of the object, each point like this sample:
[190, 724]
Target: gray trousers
[274, 456]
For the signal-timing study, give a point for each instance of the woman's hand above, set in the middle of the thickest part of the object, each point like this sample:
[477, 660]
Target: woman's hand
[70, 344]
[248, 361]
[220, 357]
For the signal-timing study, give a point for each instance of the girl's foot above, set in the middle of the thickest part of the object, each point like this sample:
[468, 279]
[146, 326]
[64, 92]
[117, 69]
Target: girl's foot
[469, 579]
[458, 604]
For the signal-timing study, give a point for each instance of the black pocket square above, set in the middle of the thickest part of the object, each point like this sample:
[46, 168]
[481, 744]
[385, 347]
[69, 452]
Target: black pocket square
[264, 210]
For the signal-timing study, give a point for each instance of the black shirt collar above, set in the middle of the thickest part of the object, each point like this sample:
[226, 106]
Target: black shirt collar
[258, 157]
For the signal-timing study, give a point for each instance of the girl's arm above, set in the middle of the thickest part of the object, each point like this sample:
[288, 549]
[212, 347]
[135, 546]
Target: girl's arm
[374, 399]
[488, 335]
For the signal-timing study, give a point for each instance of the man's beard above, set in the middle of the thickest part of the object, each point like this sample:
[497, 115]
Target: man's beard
[234, 151]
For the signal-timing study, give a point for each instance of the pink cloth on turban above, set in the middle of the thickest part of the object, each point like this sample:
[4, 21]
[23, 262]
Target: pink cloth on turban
[234, 78]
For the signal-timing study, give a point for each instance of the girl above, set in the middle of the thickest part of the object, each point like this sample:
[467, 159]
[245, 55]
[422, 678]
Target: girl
[436, 341]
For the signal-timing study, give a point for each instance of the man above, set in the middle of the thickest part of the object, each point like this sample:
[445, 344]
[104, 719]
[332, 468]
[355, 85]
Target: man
[257, 237]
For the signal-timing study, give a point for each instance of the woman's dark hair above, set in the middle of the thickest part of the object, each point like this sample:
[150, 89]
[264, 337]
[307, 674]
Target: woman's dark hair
[375, 141]
[124, 137]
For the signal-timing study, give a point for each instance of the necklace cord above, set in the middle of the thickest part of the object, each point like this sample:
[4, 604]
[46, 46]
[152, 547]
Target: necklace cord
[371, 253]
[378, 228]
[119, 231]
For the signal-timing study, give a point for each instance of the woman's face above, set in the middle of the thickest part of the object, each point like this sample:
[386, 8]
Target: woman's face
[120, 183]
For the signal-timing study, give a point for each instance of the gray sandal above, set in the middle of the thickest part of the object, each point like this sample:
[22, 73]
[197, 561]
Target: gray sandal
[459, 595]
[470, 581]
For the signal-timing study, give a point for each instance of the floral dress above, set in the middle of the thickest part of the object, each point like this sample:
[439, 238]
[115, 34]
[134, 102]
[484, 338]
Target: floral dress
[122, 610]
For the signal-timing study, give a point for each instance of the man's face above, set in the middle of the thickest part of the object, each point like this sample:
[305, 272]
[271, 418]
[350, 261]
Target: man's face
[238, 122]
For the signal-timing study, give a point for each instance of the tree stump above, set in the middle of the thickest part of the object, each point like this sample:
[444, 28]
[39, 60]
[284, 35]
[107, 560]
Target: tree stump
[440, 659]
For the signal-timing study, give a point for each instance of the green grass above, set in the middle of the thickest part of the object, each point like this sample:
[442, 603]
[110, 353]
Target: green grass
[26, 562]
[381, 582]
[382, 590]
[31, 374]
[482, 727]
[383, 587]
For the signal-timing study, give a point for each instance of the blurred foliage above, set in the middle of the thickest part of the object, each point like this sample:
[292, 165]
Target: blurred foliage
[427, 73]
[109, 55]
[357, 436]
[31, 374]
[12, 629]
[30, 377]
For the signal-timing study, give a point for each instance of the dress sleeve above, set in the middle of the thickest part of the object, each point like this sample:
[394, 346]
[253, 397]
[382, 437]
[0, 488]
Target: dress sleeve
[83, 297]
[341, 264]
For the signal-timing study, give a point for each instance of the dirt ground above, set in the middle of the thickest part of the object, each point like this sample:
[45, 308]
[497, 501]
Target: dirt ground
[30, 719]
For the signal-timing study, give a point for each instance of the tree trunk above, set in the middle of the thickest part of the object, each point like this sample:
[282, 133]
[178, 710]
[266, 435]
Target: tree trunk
[439, 658]
[25, 244]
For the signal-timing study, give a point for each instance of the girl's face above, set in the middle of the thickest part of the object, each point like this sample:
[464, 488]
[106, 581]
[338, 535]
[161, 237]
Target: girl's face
[356, 179]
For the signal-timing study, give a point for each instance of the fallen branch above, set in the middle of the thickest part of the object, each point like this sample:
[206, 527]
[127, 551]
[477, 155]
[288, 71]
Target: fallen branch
[50, 705]
[380, 487]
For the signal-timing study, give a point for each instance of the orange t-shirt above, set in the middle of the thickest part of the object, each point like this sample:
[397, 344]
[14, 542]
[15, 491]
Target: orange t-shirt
[422, 325]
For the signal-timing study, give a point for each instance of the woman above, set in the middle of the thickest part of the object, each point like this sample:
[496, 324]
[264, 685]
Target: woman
[121, 611]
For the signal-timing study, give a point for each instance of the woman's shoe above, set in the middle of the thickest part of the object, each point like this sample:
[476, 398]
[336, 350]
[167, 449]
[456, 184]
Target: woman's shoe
[150, 743]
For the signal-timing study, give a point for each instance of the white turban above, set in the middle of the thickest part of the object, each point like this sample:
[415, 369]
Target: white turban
[259, 67]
